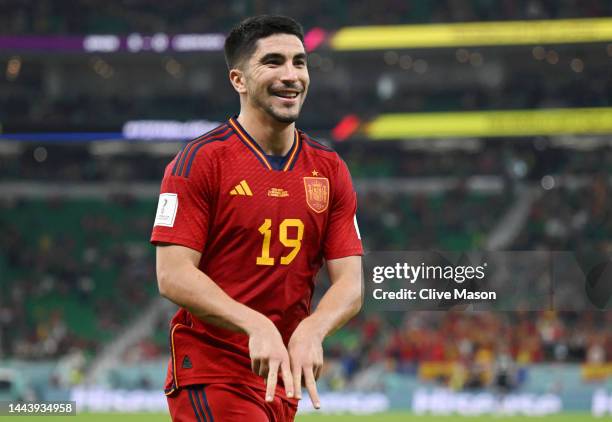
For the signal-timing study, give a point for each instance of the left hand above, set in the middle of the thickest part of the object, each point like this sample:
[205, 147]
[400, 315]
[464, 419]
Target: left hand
[306, 356]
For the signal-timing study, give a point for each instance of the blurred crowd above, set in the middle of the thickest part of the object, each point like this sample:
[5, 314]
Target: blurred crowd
[445, 221]
[467, 350]
[73, 273]
[62, 92]
[530, 159]
[576, 218]
[37, 100]
[91, 16]
[76, 270]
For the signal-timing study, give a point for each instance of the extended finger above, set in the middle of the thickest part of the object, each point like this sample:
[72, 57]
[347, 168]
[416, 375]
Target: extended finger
[311, 386]
[287, 377]
[296, 370]
[272, 378]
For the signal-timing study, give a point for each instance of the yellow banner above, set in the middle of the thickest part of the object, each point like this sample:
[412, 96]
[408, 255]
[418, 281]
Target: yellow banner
[566, 121]
[473, 34]
[596, 372]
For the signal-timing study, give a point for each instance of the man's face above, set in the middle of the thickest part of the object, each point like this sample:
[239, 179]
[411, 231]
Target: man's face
[276, 77]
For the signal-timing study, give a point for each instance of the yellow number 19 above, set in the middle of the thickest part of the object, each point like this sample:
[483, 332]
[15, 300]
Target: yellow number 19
[266, 230]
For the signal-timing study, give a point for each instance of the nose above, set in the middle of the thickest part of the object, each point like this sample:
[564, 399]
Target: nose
[289, 74]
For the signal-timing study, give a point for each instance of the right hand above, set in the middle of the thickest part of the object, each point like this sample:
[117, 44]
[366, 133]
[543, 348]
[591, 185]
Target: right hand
[268, 353]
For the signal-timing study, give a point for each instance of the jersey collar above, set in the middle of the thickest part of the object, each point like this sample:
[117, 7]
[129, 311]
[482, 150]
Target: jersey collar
[259, 153]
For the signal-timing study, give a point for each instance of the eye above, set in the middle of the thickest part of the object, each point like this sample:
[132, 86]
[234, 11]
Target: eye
[272, 61]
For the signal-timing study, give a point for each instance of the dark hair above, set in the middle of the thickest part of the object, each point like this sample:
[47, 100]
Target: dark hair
[241, 41]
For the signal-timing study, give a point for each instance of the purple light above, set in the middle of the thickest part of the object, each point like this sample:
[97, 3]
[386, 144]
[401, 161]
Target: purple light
[109, 43]
[32, 42]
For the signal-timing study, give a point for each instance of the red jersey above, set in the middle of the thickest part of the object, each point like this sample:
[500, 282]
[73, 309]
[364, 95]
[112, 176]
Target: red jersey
[263, 225]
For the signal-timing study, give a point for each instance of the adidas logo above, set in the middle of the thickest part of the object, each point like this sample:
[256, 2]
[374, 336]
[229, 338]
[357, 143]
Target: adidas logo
[187, 363]
[242, 189]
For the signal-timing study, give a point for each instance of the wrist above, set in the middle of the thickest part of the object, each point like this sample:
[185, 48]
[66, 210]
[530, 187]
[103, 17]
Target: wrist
[316, 328]
[255, 323]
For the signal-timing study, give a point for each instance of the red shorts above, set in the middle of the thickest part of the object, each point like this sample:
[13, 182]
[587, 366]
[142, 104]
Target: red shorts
[227, 403]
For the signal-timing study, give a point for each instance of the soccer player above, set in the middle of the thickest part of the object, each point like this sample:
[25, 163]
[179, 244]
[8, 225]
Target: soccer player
[246, 215]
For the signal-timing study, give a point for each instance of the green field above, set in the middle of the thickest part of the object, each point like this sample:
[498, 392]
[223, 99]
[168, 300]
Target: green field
[381, 417]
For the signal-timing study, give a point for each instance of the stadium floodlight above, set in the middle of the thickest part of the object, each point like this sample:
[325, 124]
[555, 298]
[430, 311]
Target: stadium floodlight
[565, 121]
[473, 34]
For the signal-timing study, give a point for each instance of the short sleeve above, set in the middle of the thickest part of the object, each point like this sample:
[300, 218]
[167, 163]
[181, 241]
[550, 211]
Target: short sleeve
[342, 238]
[183, 210]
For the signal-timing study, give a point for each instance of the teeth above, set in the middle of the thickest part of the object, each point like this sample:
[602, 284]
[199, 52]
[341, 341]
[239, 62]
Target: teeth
[287, 95]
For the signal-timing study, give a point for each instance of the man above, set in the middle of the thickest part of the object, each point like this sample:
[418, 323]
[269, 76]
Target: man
[247, 213]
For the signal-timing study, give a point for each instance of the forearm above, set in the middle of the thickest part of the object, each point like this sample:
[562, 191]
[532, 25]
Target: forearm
[341, 302]
[193, 290]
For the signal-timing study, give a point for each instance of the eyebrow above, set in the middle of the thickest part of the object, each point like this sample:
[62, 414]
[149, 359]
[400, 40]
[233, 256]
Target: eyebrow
[277, 56]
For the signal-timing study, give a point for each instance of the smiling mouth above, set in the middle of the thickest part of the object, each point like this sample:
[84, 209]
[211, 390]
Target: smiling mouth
[288, 95]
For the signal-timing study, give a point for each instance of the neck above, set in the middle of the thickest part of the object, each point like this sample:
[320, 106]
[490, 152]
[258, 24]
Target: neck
[274, 137]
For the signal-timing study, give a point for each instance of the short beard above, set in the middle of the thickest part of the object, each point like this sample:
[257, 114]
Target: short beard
[269, 110]
[279, 118]
[282, 119]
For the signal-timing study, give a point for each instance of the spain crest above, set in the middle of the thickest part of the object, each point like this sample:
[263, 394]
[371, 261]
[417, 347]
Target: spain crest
[317, 193]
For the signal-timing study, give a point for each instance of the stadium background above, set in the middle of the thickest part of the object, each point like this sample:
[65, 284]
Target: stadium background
[481, 137]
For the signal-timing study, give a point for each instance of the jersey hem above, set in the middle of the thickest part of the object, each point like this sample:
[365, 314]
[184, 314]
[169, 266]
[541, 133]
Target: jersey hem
[344, 254]
[177, 240]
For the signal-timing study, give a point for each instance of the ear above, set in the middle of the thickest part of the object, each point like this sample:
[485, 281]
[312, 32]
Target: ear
[236, 77]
